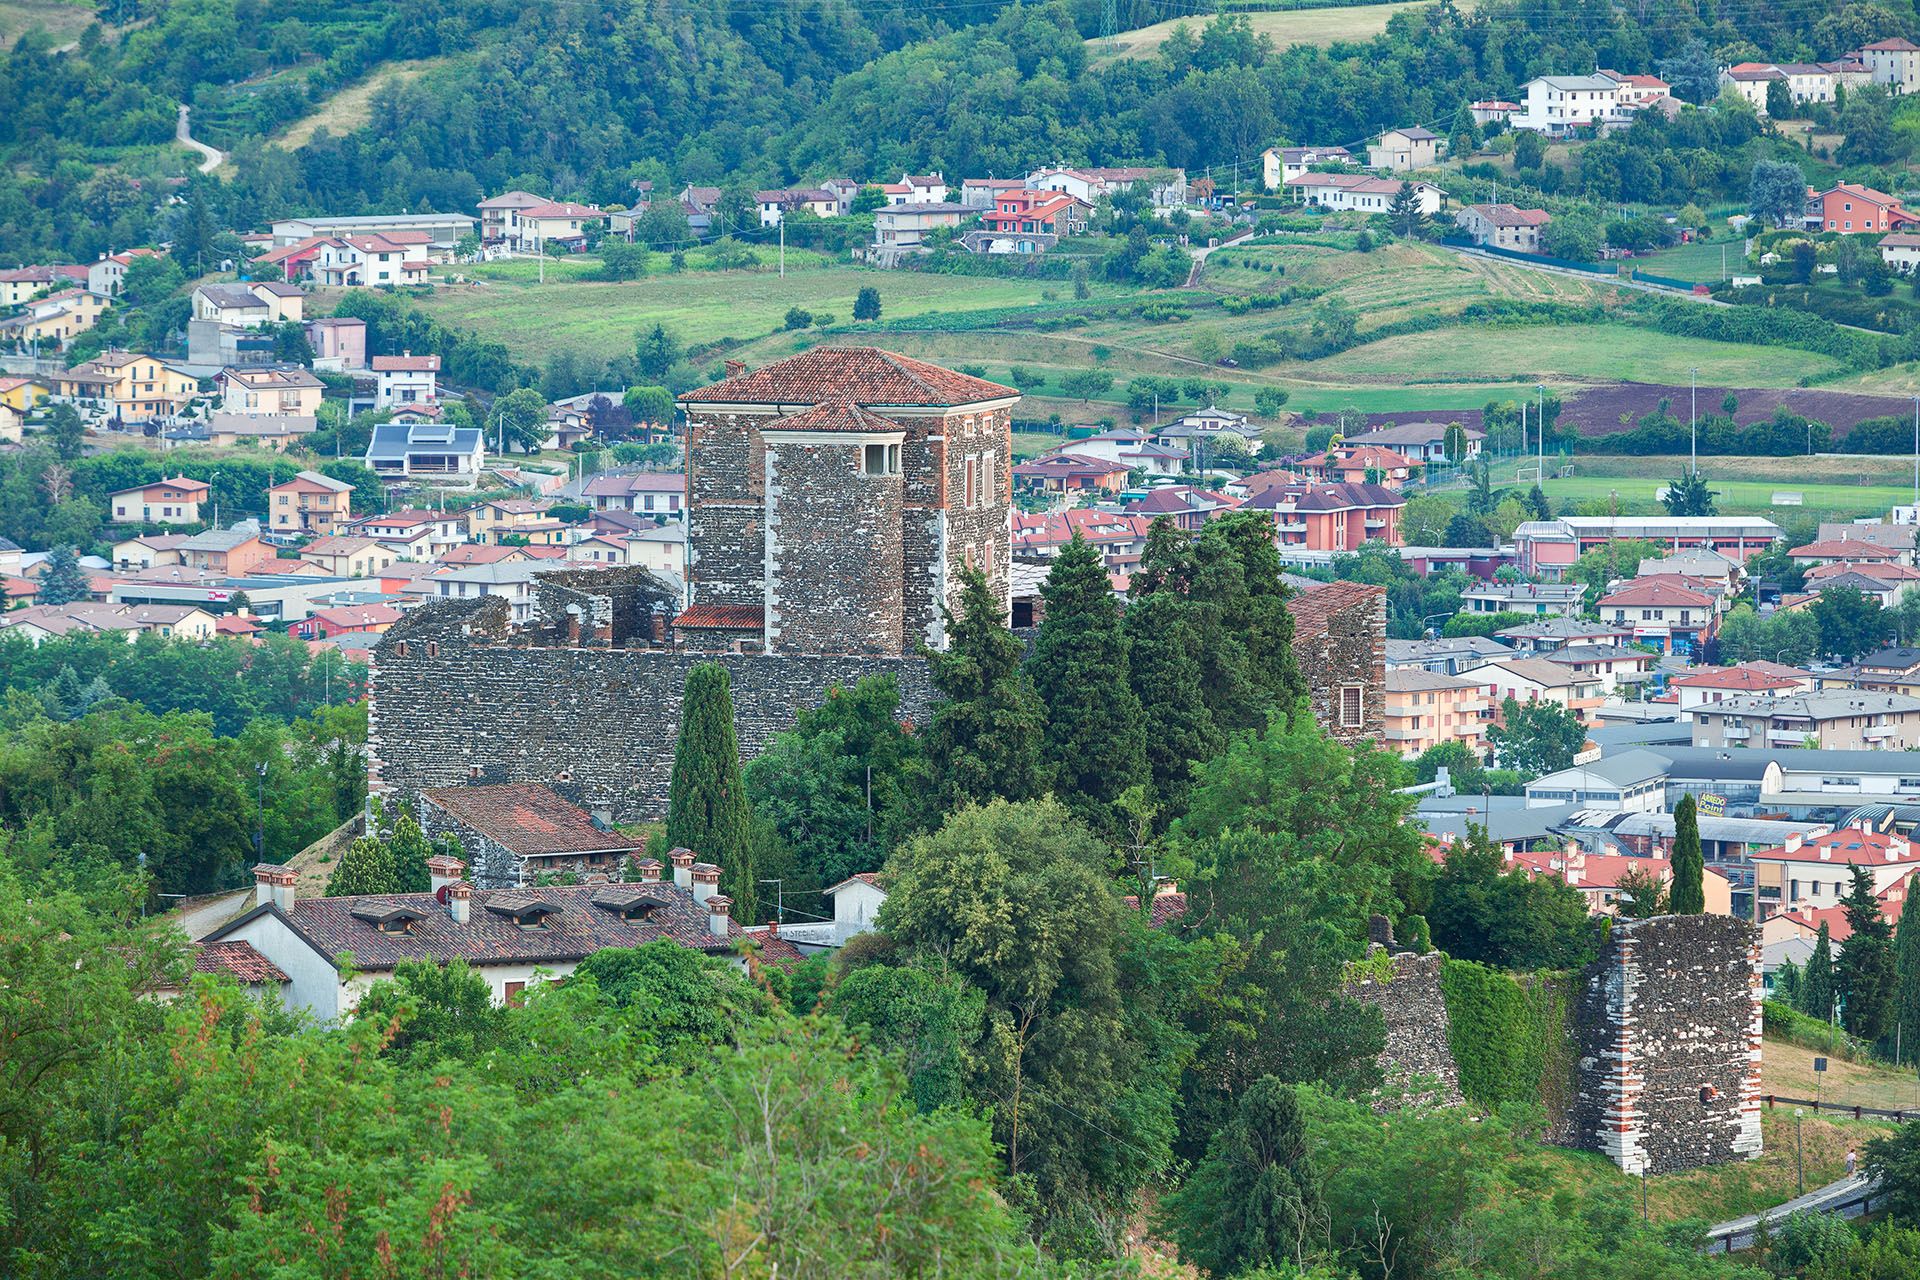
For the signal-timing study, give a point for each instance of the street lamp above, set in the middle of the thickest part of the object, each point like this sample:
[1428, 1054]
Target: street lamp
[1694, 415]
[216, 499]
[260, 826]
[1799, 1165]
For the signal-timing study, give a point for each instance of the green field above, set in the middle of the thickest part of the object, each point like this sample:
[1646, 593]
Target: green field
[600, 320]
[1605, 353]
[1297, 26]
[62, 19]
[1734, 497]
[1699, 262]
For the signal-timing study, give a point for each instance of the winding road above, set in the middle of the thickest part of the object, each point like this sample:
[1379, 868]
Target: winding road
[214, 157]
[1847, 1198]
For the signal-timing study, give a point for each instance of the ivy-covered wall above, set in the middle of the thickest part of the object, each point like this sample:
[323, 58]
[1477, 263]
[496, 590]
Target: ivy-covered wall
[1511, 1037]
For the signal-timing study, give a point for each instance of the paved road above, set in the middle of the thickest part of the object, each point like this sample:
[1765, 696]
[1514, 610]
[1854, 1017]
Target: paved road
[214, 157]
[1846, 1197]
[1200, 255]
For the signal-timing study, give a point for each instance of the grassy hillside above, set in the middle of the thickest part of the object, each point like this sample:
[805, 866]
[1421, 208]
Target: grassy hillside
[63, 20]
[1299, 26]
[352, 107]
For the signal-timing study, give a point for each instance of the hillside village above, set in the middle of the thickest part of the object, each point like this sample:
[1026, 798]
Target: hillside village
[1305, 706]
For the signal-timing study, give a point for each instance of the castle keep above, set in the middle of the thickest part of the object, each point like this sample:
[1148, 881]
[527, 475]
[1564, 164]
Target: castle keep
[834, 499]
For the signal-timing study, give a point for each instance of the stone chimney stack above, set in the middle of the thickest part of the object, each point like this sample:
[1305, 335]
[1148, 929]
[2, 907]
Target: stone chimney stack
[706, 882]
[682, 860]
[649, 870]
[717, 907]
[460, 901]
[281, 882]
[443, 871]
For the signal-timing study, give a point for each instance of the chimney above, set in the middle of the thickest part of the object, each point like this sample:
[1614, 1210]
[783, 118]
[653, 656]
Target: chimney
[736, 367]
[706, 881]
[263, 883]
[460, 901]
[1793, 843]
[1164, 885]
[283, 882]
[682, 860]
[649, 870]
[443, 871]
[717, 907]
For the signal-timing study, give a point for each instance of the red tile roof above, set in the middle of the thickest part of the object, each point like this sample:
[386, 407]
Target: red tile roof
[528, 818]
[722, 615]
[1166, 908]
[1655, 594]
[1844, 549]
[864, 375]
[1744, 679]
[238, 959]
[834, 415]
[1847, 846]
[1313, 610]
[405, 364]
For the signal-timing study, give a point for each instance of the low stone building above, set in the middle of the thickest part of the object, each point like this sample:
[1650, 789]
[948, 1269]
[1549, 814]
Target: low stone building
[1340, 642]
[516, 833]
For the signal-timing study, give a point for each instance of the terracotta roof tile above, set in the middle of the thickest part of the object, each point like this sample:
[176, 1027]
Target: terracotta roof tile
[834, 415]
[864, 375]
[238, 959]
[528, 818]
[722, 615]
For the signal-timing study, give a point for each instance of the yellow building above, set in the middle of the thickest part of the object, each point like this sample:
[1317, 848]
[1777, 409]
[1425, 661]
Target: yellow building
[56, 319]
[135, 386]
[23, 393]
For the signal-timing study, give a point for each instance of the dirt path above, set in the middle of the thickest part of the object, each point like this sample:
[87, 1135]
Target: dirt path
[214, 157]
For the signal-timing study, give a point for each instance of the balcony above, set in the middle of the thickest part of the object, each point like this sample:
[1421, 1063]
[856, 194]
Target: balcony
[1736, 733]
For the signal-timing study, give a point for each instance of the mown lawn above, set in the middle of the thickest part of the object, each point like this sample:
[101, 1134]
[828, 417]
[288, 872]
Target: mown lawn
[1699, 262]
[1836, 501]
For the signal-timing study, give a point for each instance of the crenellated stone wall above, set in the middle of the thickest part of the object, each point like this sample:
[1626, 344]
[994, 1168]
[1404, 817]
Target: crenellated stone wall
[1418, 1061]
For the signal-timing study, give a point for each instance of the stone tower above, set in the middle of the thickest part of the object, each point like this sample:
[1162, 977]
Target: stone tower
[834, 498]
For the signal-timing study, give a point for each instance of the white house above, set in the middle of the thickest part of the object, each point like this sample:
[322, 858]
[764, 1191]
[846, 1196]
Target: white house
[108, 274]
[511, 937]
[1353, 191]
[1400, 149]
[405, 379]
[370, 260]
[1277, 164]
[250, 304]
[434, 452]
[1901, 251]
[271, 390]
[1557, 105]
[1894, 63]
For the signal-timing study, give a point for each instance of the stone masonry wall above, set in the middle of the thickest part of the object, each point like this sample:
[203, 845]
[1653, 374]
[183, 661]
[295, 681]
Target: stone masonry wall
[1667, 1032]
[452, 702]
[836, 579]
[1340, 640]
[726, 480]
[1418, 1060]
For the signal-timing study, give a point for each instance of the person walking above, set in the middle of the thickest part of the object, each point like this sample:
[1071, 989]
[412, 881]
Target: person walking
[1851, 1160]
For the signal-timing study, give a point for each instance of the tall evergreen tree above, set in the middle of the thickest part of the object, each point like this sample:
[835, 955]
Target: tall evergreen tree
[1688, 895]
[1261, 615]
[1866, 969]
[1164, 667]
[407, 852]
[1906, 967]
[1254, 1201]
[985, 738]
[63, 581]
[364, 868]
[1816, 984]
[706, 800]
[1094, 746]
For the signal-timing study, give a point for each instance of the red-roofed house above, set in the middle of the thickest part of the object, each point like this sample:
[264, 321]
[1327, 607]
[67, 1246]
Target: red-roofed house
[1352, 464]
[405, 379]
[1503, 226]
[1323, 518]
[1844, 551]
[1672, 618]
[325, 623]
[1851, 208]
[1598, 877]
[172, 501]
[1071, 473]
[1708, 685]
[1894, 63]
[514, 833]
[1816, 872]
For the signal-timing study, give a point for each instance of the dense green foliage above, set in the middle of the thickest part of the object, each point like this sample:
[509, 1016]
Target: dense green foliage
[1509, 1035]
[1867, 982]
[986, 736]
[1484, 910]
[707, 809]
[1688, 894]
[1254, 1201]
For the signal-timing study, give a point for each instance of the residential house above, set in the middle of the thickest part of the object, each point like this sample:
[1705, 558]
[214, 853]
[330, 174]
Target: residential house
[442, 230]
[1894, 63]
[1503, 226]
[550, 226]
[1537, 680]
[906, 227]
[1711, 685]
[1313, 521]
[1621, 669]
[494, 211]
[916, 189]
[1277, 164]
[43, 621]
[661, 550]
[490, 521]
[1638, 90]
[147, 550]
[422, 535]
[1198, 432]
[339, 343]
[324, 624]
[23, 394]
[372, 261]
[1400, 149]
[1549, 634]
[1564, 598]
[1187, 506]
[1846, 720]
[131, 386]
[172, 501]
[278, 431]
[1850, 207]
[1494, 111]
[107, 275]
[519, 835]
[429, 452]
[1358, 464]
[1670, 617]
[292, 262]
[405, 379]
[276, 389]
[17, 284]
[1426, 708]
[1070, 473]
[1167, 188]
[981, 193]
[1028, 222]
[55, 320]
[249, 305]
[1129, 445]
[511, 581]
[1423, 442]
[348, 557]
[1546, 547]
[309, 504]
[1810, 873]
[662, 494]
[1598, 877]
[1353, 192]
[334, 949]
[1558, 105]
[229, 553]
[1633, 781]
[1445, 655]
[1751, 81]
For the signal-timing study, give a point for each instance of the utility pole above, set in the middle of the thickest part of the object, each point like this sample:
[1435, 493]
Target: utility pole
[783, 248]
[1916, 457]
[1540, 435]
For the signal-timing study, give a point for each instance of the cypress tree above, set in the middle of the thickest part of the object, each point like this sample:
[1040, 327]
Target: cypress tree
[706, 800]
[1094, 746]
[984, 741]
[1816, 984]
[364, 868]
[407, 852]
[1906, 966]
[1254, 1200]
[1866, 970]
[1163, 664]
[1688, 895]
[63, 580]
[1259, 614]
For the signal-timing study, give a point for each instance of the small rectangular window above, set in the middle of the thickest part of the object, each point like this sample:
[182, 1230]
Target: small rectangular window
[1352, 709]
[881, 459]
